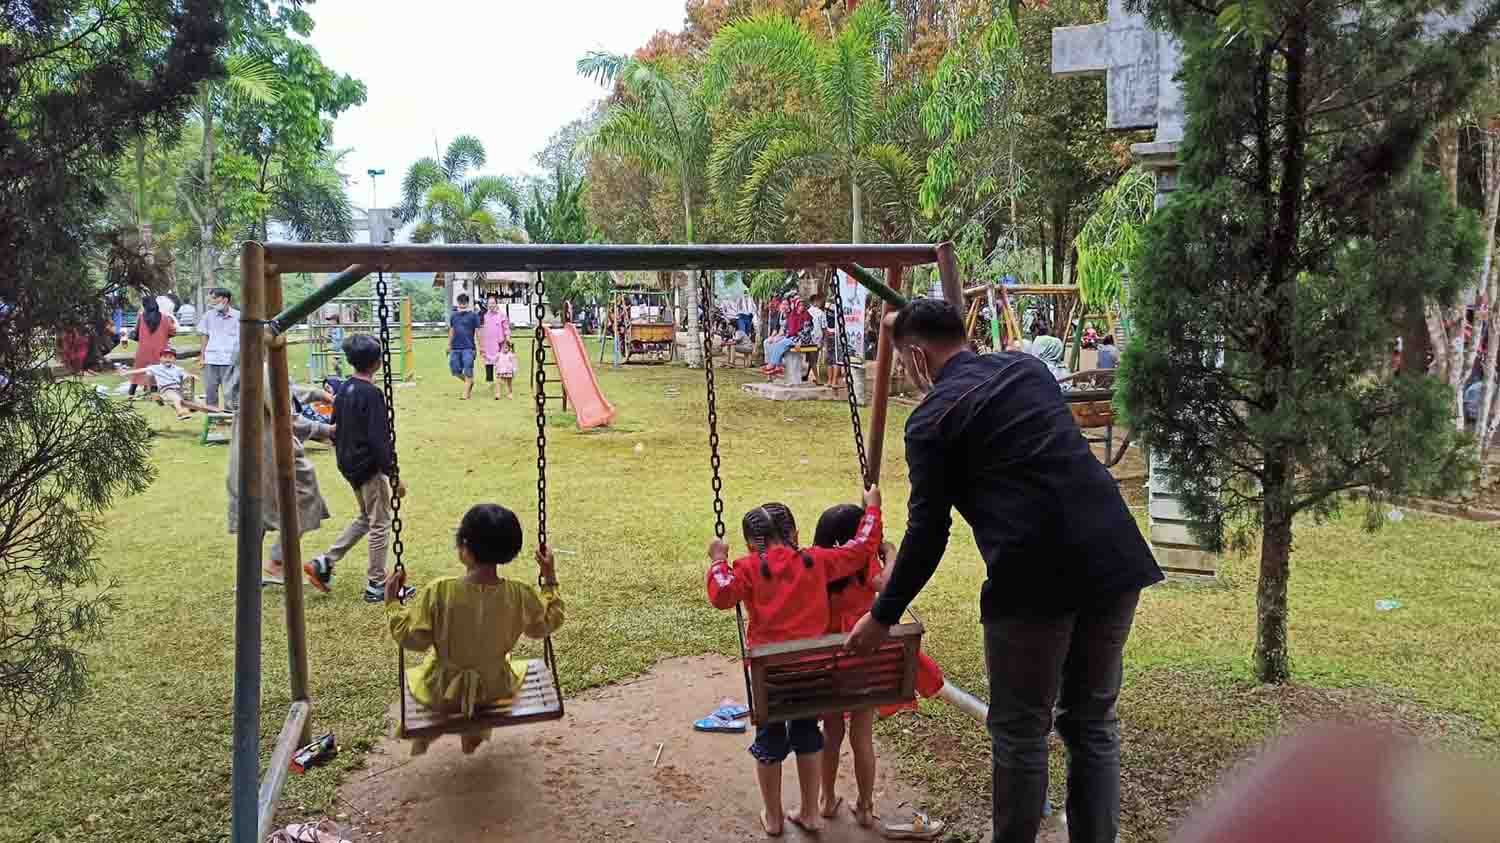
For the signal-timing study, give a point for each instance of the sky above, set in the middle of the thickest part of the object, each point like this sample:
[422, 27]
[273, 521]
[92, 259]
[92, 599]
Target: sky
[499, 69]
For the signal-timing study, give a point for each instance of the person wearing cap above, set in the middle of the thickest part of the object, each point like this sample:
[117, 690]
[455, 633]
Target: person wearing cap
[169, 378]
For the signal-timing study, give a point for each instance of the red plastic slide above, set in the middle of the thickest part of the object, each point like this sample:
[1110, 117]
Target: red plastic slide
[579, 383]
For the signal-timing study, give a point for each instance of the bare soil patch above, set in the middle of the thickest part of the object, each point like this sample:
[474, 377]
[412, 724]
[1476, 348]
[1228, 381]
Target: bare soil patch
[590, 777]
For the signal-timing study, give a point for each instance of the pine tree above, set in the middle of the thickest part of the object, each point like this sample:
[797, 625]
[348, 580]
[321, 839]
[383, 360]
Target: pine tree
[79, 83]
[1268, 291]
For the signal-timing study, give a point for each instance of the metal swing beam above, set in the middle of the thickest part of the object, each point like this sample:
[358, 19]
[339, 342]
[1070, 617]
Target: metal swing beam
[265, 318]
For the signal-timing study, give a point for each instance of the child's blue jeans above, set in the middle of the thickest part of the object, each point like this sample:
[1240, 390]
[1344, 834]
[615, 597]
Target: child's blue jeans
[775, 741]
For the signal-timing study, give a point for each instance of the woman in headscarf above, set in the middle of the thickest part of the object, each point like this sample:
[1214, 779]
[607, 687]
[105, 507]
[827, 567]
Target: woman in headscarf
[1050, 350]
[152, 330]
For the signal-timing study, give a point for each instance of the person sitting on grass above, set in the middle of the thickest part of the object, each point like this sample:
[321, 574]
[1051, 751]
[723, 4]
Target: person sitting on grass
[471, 623]
[367, 461]
[784, 590]
[169, 377]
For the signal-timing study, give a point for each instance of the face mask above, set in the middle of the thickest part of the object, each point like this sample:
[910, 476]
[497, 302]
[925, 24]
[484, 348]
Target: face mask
[921, 372]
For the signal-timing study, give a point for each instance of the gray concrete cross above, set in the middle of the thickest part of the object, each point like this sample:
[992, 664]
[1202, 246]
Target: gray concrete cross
[1138, 64]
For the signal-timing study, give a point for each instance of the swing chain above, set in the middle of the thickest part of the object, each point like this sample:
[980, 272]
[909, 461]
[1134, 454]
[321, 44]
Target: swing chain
[848, 371]
[539, 381]
[382, 293]
[705, 280]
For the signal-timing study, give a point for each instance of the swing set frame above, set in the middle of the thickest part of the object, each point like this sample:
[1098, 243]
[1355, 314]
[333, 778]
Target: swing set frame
[265, 318]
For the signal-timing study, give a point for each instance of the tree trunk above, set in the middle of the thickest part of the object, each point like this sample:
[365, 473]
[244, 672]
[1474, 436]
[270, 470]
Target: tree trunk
[1041, 240]
[140, 189]
[207, 251]
[857, 212]
[1489, 289]
[1059, 243]
[687, 208]
[1271, 661]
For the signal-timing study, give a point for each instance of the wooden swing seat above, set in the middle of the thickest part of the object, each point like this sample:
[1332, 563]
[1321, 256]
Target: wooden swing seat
[793, 680]
[536, 702]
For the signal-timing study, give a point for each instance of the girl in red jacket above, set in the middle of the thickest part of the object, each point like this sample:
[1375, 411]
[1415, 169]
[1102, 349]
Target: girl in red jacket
[784, 589]
[848, 600]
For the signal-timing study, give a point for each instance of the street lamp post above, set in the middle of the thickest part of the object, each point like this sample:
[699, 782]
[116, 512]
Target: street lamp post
[374, 202]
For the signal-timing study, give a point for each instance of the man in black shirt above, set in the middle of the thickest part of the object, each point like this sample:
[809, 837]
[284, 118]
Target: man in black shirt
[1065, 563]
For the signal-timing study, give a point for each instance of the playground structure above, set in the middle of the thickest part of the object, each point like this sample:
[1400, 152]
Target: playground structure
[640, 323]
[340, 317]
[1060, 303]
[264, 345]
[563, 352]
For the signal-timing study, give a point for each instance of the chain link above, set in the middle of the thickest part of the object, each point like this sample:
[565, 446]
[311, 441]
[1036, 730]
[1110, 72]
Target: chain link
[848, 370]
[539, 382]
[382, 294]
[705, 282]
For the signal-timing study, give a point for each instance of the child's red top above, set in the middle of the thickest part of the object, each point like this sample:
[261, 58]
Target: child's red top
[793, 602]
[847, 605]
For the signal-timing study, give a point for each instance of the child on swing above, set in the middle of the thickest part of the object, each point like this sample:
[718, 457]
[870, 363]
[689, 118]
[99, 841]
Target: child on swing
[472, 622]
[784, 589]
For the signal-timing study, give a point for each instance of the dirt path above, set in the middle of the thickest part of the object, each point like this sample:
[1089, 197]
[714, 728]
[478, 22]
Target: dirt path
[589, 777]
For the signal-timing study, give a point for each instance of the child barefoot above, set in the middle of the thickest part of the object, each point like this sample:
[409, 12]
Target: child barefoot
[472, 622]
[784, 590]
[505, 367]
[848, 599]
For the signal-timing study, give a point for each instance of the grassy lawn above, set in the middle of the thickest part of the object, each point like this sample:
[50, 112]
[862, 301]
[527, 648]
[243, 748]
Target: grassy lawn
[147, 756]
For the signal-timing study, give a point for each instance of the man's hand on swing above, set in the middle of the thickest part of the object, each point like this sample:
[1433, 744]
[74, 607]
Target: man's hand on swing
[867, 636]
[393, 586]
[718, 551]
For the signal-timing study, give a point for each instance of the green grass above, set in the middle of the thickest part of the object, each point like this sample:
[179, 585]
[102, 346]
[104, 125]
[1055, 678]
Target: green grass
[147, 755]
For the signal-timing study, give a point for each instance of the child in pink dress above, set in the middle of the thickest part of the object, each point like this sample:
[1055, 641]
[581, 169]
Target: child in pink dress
[494, 334]
[505, 367]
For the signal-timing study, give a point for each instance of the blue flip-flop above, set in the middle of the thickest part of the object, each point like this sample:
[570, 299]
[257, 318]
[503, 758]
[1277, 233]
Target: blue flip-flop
[731, 711]
[719, 724]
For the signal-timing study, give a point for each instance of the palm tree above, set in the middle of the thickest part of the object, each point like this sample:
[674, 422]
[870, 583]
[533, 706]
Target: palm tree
[759, 157]
[660, 123]
[450, 206]
[556, 214]
[312, 201]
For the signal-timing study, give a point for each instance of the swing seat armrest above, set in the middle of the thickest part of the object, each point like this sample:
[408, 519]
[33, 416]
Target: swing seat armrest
[833, 641]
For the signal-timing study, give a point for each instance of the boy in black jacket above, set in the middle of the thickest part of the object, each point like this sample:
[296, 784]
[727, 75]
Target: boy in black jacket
[366, 459]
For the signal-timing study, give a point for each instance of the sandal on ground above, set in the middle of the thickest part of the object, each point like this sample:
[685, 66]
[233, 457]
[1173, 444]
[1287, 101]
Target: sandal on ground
[864, 815]
[834, 811]
[765, 826]
[921, 827]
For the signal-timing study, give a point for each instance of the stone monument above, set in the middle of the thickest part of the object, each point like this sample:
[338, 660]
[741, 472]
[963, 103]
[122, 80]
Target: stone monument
[1138, 64]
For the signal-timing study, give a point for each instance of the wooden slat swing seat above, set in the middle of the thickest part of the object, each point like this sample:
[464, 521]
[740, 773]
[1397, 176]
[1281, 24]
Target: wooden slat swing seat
[540, 696]
[792, 680]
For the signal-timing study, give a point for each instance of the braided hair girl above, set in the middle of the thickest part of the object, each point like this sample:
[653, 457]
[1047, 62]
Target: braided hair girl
[784, 589]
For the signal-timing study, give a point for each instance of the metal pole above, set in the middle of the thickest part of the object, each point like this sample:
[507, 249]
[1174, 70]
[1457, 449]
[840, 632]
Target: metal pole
[874, 285]
[885, 356]
[953, 287]
[989, 290]
[289, 519]
[285, 319]
[251, 420]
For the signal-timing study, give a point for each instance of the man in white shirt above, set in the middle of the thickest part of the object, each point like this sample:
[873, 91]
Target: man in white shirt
[221, 350]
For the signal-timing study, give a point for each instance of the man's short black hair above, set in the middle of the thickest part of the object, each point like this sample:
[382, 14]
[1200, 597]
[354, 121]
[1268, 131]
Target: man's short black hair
[1109, 339]
[491, 532]
[929, 320]
[495, 296]
[220, 293]
[463, 298]
[363, 353]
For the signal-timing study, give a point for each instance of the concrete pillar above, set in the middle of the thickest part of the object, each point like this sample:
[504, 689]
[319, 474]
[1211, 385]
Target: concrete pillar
[1177, 551]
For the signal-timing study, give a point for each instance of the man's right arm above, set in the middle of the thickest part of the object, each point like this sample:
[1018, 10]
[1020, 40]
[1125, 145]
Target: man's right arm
[929, 517]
